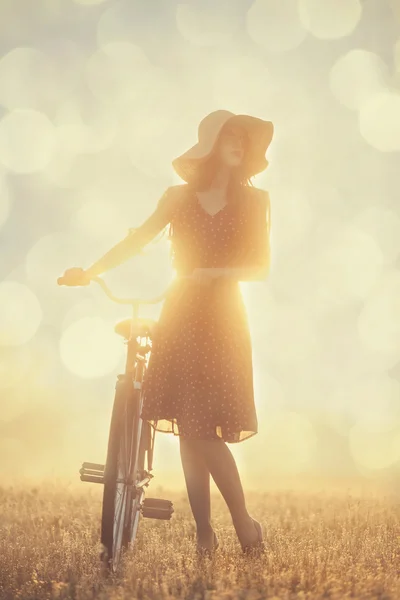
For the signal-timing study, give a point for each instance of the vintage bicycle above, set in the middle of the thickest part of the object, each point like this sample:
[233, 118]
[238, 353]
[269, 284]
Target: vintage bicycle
[130, 451]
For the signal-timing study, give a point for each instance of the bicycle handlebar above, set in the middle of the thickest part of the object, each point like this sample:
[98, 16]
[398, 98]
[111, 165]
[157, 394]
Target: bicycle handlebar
[132, 301]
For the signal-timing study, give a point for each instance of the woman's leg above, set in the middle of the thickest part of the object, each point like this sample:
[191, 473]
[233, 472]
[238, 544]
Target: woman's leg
[222, 466]
[197, 478]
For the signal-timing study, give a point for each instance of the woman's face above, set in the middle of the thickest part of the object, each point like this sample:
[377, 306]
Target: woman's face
[232, 145]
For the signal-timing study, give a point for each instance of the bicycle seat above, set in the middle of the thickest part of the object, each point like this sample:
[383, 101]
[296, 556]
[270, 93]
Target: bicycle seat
[144, 328]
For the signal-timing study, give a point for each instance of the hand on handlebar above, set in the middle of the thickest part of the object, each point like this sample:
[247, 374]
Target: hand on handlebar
[73, 277]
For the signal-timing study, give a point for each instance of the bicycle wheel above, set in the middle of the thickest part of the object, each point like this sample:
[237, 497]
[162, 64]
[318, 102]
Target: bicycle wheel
[138, 471]
[121, 470]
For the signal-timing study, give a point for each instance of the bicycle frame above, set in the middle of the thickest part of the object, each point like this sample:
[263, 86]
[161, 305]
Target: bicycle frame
[136, 363]
[131, 500]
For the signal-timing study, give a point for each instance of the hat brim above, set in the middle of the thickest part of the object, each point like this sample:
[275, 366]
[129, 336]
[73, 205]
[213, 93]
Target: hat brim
[260, 135]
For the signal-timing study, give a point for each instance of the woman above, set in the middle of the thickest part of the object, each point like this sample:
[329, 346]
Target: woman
[199, 382]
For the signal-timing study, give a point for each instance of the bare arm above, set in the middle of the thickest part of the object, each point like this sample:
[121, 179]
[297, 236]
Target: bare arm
[132, 244]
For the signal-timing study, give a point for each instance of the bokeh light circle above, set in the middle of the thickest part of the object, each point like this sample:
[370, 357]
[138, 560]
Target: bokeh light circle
[348, 267]
[356, 76]
[117, 73]
[209, 27]
[21, 69]
[383, 226]
[275, 25]
[330, 19]
[20, 313]
[379, 319]
[90, 348]
[27, 141]
[379, 121]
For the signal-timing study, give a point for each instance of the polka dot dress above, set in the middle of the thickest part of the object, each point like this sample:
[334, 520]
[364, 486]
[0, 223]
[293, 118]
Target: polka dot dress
[199, 382]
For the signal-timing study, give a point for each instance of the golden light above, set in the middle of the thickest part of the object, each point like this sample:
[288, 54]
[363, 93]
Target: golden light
[275, 25]
[374, 450]
[291, 334]
[15, 364]
[269, 395]
[290, 442]
[27, 141]
[90, 348]
[20, 313]
[358, 75]
[379, 121]
[332, 19]
[373, 402]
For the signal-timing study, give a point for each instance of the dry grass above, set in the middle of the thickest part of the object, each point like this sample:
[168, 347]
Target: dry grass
[320, 545]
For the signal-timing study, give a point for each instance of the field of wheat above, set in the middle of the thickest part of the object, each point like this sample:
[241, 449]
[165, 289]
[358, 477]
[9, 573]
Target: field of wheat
[325, 543]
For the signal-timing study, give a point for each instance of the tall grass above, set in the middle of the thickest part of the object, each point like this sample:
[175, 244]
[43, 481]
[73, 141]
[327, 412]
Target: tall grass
[320, 544]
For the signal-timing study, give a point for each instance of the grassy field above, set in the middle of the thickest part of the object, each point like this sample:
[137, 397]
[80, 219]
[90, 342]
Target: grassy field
[320, 544]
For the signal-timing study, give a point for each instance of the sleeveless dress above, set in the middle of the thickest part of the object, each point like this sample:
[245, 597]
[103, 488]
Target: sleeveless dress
[199, 381]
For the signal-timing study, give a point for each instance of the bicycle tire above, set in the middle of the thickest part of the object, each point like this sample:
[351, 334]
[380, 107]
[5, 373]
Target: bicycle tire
[137, 500]
[119, 483]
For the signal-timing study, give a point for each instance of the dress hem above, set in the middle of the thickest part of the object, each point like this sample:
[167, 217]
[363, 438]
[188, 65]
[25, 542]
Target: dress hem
[175, 431]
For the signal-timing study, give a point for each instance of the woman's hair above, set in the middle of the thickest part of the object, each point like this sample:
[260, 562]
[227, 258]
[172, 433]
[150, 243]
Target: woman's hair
[201, 179]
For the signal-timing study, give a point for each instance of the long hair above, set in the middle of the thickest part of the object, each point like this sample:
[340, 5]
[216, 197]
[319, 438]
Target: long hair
[201, 179]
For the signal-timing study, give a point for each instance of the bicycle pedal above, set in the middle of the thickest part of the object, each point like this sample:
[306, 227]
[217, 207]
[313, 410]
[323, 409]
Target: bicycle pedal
[157, 508]
[92, 472]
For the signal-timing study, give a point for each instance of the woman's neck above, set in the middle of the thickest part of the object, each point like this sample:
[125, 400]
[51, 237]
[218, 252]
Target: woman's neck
[221, 178]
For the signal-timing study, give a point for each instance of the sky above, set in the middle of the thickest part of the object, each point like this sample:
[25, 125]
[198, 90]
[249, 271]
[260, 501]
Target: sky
[97, 97]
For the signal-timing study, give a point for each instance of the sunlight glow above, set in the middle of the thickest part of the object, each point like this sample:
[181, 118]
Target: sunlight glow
[290, 442]
[89, 348]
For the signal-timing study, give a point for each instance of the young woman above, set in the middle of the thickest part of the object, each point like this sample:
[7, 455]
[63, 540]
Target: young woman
[199, 382]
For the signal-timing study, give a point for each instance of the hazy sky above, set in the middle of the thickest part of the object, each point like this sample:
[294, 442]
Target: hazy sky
[96, 99]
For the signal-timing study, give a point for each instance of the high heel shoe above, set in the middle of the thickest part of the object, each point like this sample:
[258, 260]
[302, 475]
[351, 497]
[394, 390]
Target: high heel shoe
[201, 551]
[258, 545]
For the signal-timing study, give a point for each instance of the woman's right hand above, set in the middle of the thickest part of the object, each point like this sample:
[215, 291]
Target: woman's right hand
[74, 276]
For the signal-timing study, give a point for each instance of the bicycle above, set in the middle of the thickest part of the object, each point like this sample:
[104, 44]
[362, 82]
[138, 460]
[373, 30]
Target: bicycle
[130, 442]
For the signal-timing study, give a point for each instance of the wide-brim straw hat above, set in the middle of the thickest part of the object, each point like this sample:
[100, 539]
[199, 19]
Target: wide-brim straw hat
[259, 133]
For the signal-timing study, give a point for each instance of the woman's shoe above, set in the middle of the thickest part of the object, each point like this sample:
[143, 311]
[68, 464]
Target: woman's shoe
[201, 551]
[258, 545]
